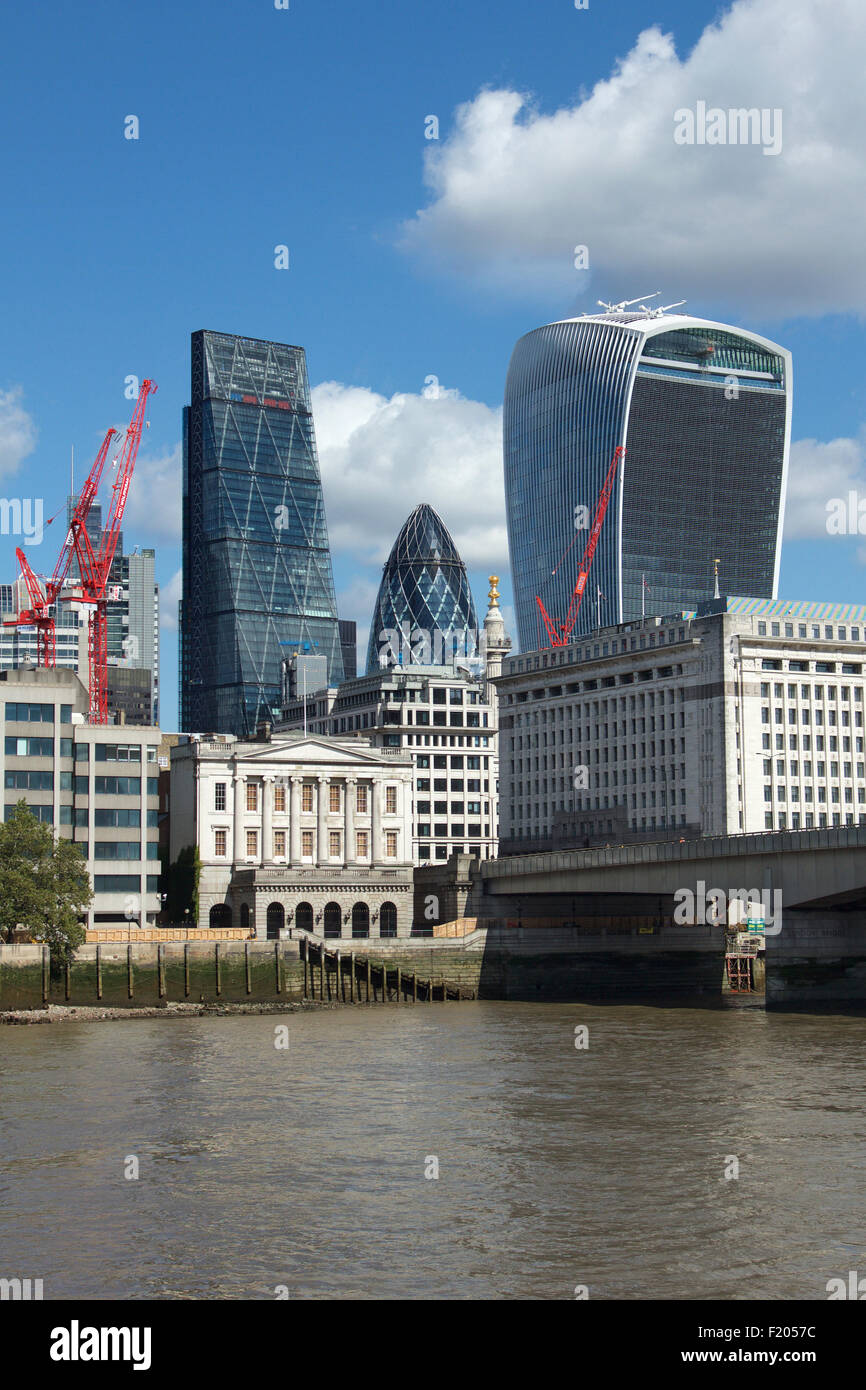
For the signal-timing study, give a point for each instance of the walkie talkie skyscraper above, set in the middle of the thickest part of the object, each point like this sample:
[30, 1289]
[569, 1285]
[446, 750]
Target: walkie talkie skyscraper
[704, 411]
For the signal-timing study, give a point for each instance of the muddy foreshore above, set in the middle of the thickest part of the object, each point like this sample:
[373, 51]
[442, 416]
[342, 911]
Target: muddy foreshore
[61, 1013]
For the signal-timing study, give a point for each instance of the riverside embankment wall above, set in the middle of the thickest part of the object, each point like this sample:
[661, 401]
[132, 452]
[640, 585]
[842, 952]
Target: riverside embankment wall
[527, 963]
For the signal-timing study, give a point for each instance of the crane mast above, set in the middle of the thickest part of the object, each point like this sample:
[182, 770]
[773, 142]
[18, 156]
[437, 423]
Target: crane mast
[561, 636]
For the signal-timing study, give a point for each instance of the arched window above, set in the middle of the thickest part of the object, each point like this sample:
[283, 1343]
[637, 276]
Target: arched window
[333, 920]
[388, 920]
[360, 920]
[221, 915]
[245, 916]
[304, 917]
[276, 920]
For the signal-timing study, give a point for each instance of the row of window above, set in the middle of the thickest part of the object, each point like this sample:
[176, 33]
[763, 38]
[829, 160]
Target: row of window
[458, 830]
[305, 919]
[335, 844]
[458, 808]
[124, 883]
[24, 713]
[335, 797]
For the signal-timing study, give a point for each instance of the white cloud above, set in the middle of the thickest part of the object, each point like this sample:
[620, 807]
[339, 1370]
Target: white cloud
[819, 473]
[170, 595]
[381, 457]
[153, 507]
[514, 190]
[17, 431]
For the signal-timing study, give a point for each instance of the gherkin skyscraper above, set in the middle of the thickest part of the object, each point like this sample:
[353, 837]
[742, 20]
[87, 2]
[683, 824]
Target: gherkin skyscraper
[424, 613]
[257, 579]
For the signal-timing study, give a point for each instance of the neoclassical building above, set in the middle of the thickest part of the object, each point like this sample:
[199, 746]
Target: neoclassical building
[301, 831]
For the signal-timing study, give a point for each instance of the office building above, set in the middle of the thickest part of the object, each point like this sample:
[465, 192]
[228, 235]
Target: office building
[309, 833]
[424, 612]
[256, 564]
[745, 715]
[445, 718]
[703, 410]
[349, 648]
[94, 784]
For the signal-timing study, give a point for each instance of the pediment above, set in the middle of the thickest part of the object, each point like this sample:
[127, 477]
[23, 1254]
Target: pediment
[316, 750]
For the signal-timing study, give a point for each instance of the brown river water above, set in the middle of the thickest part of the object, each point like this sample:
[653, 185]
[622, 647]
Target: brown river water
[304, 1167]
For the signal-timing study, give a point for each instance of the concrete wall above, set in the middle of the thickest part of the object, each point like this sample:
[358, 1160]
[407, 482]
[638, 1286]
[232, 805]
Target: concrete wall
[817, 959]
[119, 976]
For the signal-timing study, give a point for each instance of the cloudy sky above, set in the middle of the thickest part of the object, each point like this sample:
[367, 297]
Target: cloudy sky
[415, 262]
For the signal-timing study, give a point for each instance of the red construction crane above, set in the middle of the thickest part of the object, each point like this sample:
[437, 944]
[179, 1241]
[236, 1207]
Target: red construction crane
[562, 637]
[39, 614]
[95, 569]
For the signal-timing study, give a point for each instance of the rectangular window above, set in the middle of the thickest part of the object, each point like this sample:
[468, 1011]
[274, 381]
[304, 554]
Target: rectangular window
[32, 747]
[42, 813]
[117, 849]
[152, 786]
[116, 883]
[252, 844]
[361, 804]
[219, 843]
[335, 849]
[391, 844]
[391, 801]
[32, 714]
[219, 796]
[113, 786]
[279, 844]
[363, 843]
[252, 797]
[307, 799]
[279, 797]
[334, 800]
[306, 844]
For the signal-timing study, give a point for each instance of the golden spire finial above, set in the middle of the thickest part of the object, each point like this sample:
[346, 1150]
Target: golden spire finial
[493, 595]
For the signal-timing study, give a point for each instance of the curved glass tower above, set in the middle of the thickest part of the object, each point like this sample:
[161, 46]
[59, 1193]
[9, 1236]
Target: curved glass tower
[424, 613]
[704, 411]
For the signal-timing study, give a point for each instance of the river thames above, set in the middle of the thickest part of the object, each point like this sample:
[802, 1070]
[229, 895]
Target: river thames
[308, 1169]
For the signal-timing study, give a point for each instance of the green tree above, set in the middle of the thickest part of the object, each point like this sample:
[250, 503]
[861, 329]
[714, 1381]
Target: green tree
[44, 884]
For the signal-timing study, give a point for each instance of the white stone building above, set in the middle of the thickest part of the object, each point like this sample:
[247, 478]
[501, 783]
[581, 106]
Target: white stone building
[742, 719]
[310, 832]
[446, 719]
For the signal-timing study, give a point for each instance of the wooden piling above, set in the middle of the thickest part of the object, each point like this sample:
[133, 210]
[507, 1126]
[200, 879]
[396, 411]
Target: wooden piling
[130, 986]
[247, 979]
[351, 977]
[98, 971]
[186, 969]
[160, 969]
[216, 962]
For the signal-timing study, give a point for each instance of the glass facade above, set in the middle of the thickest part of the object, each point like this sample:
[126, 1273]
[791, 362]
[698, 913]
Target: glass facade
[257, 578]
[424, 611]
[704, 413]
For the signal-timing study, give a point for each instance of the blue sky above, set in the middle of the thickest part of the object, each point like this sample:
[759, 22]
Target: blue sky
[306, 127]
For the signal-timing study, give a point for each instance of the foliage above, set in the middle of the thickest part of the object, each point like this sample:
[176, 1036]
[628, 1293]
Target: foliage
[44, 884]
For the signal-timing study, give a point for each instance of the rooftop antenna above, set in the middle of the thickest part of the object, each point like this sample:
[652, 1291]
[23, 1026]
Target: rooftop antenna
[716, 593]
[620, 308]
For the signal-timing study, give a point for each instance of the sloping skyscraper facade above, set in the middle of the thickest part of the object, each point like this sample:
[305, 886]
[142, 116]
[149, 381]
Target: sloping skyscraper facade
[424, 613]
[257, 578]
[704, 412]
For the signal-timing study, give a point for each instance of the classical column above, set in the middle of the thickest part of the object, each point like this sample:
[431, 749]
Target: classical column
[268, 818]
[295, 821]
[378, 848]
[240, 810]
[324, 793]
[350, 856]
